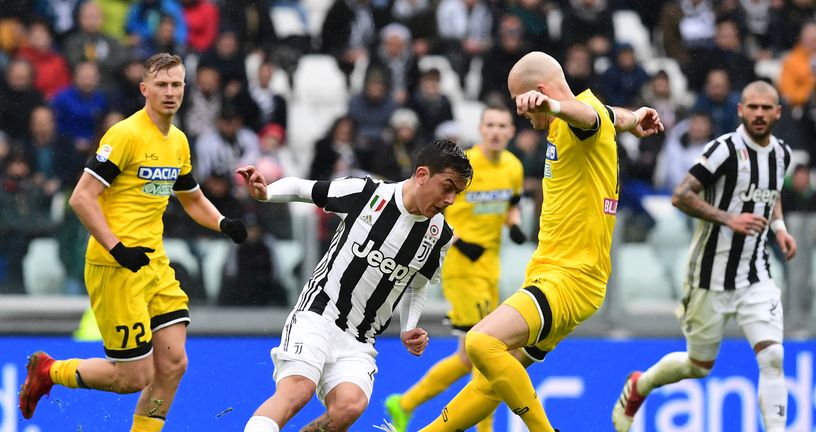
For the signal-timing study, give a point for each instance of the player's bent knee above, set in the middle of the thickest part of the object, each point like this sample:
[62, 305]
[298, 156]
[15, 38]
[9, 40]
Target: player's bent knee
[481, 347]
[771, 357]
[172, 367]
[345, 411]
[132, 380]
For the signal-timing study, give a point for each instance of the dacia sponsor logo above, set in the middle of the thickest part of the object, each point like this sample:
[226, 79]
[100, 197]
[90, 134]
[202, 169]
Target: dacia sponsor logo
[376, 259]
[489, 195]
[158, 173]
[758, 195]
[552, 151]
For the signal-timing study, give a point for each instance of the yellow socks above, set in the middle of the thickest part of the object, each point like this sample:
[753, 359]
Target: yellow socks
[64, 372]
[146, 424]
[508, 379]
[438, 378]
[466, 409]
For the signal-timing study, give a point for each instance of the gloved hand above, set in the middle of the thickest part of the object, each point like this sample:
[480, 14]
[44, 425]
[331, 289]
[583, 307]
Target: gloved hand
[234, 228]
[470, 250]
[131, 258]
[517, 235]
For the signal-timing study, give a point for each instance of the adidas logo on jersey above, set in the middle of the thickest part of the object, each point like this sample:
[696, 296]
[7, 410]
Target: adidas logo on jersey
[758, 195]
[375, 258]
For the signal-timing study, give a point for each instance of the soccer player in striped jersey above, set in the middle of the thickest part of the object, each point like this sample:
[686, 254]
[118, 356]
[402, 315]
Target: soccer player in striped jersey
[390, 244]
[566, 276]
[136, 299]
[470, 276]
[740, 176]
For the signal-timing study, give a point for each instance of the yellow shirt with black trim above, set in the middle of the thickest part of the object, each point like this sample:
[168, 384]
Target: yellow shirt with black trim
[580, 188]
[478, 214]
[140, 168]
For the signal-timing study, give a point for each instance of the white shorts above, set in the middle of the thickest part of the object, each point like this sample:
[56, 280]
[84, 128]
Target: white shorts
[314, 347]
[704, 313]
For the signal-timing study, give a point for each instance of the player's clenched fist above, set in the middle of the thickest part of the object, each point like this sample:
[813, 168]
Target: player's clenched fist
[415, 340]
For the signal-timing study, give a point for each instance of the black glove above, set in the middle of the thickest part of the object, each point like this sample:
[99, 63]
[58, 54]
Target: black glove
[131, 258]
[470, 250]
[234, 228]
[517, 235]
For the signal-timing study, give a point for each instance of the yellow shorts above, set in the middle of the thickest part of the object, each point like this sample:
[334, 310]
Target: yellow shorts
[129, 306]
[553, 305]
[471, 299]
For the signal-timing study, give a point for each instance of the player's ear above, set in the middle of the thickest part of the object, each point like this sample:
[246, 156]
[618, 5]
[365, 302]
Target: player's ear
[422, 174]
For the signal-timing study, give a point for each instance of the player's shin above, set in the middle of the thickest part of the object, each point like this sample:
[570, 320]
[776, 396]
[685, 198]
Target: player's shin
[508, 378]
[444, 373]
[469, 407]
[773, 392]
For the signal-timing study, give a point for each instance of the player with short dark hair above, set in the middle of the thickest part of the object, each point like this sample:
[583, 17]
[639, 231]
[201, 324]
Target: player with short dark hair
[135, 296]
[390, 244]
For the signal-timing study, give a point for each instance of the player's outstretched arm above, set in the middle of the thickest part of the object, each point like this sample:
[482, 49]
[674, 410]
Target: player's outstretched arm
[287, 189]
[572, 111]
[642, 122]
[201, 210]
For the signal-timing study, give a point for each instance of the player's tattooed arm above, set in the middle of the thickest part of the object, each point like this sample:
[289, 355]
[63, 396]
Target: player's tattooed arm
[686, 197]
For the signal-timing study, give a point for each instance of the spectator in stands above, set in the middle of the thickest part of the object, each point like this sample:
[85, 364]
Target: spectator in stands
[203, 101]
[396, 154]
[464, 29]
[12, 15]
[797, 191]
[510, 47]
[202, 19]
[251, 21]
[430, 104]
[719, 102]
[51, 71]
[578, 68]
[533, 16]
[758, 25]
[787, 20]
[588, 22]
[372, 109]
[528, 146]
[338, 153]
[145, 16]
[25, 215]
[126, 97]
[162, 40]
[227, 146]
[418, 16]
[250, 273]
[727, 54]
[687, 26]
[271, 105]
[18, 87]
[347, 33]
[658, 95]
[79, 108]
[58, 15]
[227, 57]
[275, 159]
[797, 79]
[54, 161]
[621, 83]
[88, 43]
[683, 145]
[394, 55]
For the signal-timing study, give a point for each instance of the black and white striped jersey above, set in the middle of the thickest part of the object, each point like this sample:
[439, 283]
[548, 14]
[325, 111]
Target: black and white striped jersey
[378, 250]
[739, 176]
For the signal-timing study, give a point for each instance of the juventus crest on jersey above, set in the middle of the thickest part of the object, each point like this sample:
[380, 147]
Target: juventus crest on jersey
[739, 176]
[378, 250]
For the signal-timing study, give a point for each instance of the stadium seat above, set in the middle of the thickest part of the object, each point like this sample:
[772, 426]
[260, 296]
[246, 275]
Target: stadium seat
[288, 254]
[316, 10]
[640, 277]
[449, 84]
[214, 255]
[677, 79]
[769, 68]
[630, 29]
[280, 79]
[318, 81]
[40, 279]
[467, 114]
[669, 240]
[178, 251]
[288, 21]
[307, 124]
[554, 19]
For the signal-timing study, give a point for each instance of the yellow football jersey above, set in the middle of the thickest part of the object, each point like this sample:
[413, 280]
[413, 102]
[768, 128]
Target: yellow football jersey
[581, 186]
[141, 168]
[478, 214]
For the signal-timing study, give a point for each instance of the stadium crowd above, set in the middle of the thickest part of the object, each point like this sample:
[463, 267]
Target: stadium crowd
[71, 68]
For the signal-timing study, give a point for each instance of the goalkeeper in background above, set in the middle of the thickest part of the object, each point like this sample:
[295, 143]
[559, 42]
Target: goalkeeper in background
[470, 274]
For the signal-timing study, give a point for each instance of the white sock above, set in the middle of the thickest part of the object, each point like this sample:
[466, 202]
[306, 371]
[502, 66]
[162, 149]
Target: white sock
[261, 424]
[773, 392]
[671, 368]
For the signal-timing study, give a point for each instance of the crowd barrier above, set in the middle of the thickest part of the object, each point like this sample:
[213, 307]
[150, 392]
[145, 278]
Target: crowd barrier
[578, 383]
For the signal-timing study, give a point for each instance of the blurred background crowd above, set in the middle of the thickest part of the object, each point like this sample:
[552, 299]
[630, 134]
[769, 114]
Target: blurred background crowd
[324, 89]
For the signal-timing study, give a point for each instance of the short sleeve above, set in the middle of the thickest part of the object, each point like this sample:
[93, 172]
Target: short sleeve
[113, 155]
[707, 166]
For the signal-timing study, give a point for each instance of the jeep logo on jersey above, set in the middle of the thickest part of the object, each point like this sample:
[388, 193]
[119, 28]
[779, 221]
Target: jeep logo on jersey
[375, 258]
[759, 195]
[158, 173]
